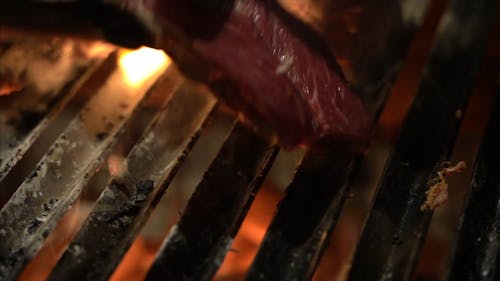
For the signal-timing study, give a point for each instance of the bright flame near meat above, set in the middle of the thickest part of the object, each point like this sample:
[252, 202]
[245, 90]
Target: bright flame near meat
[141, 64]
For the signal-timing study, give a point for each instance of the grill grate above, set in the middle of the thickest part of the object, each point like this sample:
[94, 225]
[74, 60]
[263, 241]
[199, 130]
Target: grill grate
[126, 202]
[15, 144]
[295, 241]
[45, 195]
[198, 243]
[292, 245]
[392, 238]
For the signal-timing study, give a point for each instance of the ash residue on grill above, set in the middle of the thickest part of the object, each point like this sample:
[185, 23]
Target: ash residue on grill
[121, 220]
[142, 190]
[6, 262]
[36, 172]
[108, 125]
[34, 224]
[43, 70]
[50, 205]
[121, 217]
[72, 155]
[117, 186]
[45, 65]
[101, 136]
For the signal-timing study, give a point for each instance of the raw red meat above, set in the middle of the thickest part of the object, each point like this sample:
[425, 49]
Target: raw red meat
[278, 71]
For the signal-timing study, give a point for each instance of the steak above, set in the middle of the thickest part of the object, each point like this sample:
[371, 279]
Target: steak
[263, 62]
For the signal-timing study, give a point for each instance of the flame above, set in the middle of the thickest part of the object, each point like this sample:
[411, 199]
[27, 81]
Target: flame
[117, 165]
[94, 49]
[141, 64]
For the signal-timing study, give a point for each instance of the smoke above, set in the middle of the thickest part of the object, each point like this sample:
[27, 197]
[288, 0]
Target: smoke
[45, 64]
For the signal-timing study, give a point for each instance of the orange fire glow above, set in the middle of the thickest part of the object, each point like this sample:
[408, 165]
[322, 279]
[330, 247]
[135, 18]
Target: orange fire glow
[40, 267]
[141, 254]
[8, 86]
[141, 64]
[137, 261]
[252, 231]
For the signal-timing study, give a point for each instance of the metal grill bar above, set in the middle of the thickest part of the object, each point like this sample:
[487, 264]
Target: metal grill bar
[85, 91]
[375, 71]
[43, 197]
[198, 243]
[292, 245]
[392, 238]
[14, 146]
[477, 253]
[300, 231]
[126, 202]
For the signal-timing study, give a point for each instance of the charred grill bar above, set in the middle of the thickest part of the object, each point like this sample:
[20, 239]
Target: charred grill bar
[127, 201]
[300, 230]
[18, 144]
[294, 242]
[197, 245]
[307, 215]
[477, 248]
[45, 195]
[392, 238]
